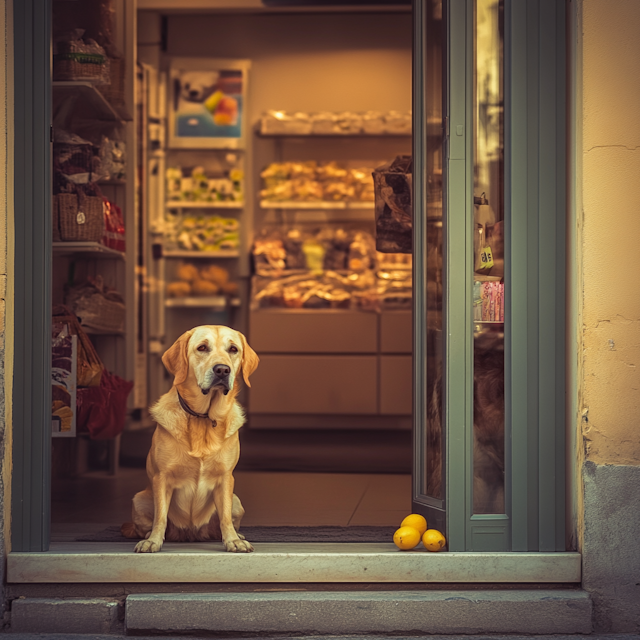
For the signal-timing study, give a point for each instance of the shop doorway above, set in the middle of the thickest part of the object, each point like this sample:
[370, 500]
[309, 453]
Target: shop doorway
[446, 151]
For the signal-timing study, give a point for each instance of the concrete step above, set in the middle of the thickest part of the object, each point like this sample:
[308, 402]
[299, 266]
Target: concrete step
[383, 612]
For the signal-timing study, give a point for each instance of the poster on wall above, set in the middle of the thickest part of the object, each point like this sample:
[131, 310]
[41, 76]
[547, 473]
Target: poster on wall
[207, 103]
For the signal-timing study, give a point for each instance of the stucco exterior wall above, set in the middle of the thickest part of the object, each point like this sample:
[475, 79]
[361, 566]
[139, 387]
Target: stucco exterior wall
[611, 231]
[6, 287]
[609, 255]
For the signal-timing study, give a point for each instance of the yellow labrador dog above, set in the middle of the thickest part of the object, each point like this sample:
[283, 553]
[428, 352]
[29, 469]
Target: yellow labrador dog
[195, 446]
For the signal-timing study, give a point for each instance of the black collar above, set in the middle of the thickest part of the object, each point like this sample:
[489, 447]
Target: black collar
[191, 412]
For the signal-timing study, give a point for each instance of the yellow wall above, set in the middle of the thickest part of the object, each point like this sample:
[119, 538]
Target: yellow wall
[611, 231]
[6, 247]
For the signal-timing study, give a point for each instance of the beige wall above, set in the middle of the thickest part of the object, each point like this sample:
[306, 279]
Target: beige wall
[611, 231]
[309, 62]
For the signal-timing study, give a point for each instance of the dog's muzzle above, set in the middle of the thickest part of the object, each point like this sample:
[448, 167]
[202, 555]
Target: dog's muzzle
[221, 373]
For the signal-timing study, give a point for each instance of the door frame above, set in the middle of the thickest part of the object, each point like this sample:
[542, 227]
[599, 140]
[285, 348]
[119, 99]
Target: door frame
[536, 166]
[536, 212]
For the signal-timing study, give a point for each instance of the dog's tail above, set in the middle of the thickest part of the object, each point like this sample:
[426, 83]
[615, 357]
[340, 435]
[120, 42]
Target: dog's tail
[128, 530]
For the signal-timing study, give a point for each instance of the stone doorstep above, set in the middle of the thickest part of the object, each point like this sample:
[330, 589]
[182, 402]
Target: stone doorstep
[290, 563]
[313, 613]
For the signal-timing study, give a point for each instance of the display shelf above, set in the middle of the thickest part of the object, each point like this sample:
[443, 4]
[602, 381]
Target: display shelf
[223, 253]
[216, 302]
[488, 322]
[86, 91]
[86, 249]
[96, 332]
[334, 135]
[112, 183]
[178, 204]
[268, 204]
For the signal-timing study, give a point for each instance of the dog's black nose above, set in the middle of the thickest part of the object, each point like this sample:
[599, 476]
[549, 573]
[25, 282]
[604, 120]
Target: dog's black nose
[221, 370]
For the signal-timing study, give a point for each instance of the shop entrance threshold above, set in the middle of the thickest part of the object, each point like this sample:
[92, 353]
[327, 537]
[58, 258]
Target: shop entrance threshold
[86, 562]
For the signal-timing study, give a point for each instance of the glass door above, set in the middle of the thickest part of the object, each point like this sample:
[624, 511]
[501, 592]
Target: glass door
[428, 167]
[489, 216]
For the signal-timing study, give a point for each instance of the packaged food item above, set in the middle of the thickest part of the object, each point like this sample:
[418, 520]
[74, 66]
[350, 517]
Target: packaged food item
[187, 272]
[373, 122]
[292, 243]
[348, 123]
[268, 254]
[200, 187]
[313, 254]
[323, 122]
[178, 289]
[394, 209]
[214, 273]
[281, 122]
[203, 287]
[397, 122]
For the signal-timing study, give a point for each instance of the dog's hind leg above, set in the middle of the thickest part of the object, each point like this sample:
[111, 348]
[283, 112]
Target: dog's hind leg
[141, 514]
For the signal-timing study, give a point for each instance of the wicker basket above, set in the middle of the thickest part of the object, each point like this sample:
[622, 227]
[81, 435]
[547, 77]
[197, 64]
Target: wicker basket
[114, 92]
[81, 217]
[100, 314]
[78, 66]
[56, 220]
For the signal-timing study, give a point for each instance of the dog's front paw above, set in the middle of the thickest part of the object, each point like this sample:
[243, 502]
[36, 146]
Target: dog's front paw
[238, 546]
[148, 546]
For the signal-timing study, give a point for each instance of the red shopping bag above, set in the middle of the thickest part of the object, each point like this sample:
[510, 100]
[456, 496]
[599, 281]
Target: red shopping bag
[102, 410]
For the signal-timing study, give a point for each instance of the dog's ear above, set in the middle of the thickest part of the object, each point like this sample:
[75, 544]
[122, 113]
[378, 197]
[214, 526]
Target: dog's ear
[175, 358]
[250, 360]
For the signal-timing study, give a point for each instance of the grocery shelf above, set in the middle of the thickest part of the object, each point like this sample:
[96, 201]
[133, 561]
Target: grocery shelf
[86, 91]
[268, 204]
[86, 249]
[179, 204]
[488, 322]
[223, 253]
[96, 332]
[216, 302]
[334, 135]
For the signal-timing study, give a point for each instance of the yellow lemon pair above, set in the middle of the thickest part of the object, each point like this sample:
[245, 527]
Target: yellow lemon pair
[413, 529]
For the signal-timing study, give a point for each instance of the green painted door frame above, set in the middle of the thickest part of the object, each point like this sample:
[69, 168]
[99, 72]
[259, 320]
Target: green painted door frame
[31, 479]
[535, 283]
[536, 177]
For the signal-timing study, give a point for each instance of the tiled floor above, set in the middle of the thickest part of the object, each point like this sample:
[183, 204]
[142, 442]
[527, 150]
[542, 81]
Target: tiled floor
[94, 501]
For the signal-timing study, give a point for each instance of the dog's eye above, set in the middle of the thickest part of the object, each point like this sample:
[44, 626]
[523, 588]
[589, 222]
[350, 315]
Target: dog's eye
[233, 349]
[202, 347]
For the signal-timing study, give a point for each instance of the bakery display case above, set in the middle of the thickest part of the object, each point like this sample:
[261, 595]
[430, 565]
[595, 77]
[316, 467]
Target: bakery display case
[329, 315]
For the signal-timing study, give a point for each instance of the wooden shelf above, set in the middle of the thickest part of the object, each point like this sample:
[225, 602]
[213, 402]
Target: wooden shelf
[99, 108]
[224, 253]
[268, 204]
[86, 249]
[179, 204]
[334, 135]
[96, 332]
[218, 303]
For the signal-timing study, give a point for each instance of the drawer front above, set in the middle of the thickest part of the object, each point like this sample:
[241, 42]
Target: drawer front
[315, 384]
[396, 332]
[302, 331]
[396, 385]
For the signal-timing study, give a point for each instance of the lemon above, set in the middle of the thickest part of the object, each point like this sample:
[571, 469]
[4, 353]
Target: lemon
[416, 521]
[433, 540]
[406, 538]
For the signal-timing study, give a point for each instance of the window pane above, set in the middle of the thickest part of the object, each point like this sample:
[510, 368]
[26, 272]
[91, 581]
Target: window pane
[488, 259]
[433, 482]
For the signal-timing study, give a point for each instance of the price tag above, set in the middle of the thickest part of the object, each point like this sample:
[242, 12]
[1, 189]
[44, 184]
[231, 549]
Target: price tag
[486, 258]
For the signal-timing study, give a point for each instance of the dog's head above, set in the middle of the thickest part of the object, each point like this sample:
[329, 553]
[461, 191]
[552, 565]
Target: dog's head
[197, 86]
[213, 355]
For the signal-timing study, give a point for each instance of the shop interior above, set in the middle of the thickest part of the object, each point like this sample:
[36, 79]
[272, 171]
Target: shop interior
[263, 221]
